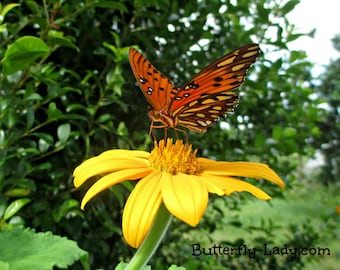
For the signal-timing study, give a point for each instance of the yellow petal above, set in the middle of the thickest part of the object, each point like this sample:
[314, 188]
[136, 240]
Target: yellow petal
[205, 161]
[211, 187]
[113, 179]
[115, 156]
[141, 208]
[104, 164]
[184, 196]
[230, 184]
[119, 153]
[243, 169]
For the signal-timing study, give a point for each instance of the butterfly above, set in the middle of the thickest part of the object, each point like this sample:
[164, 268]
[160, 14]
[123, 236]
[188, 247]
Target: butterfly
[208, 96]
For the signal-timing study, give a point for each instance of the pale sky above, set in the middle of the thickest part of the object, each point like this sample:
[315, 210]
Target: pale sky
[324, 16]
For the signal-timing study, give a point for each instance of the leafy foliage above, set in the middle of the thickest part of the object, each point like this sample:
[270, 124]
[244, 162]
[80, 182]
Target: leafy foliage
[67, 93]
[329, 90]
[25, 249]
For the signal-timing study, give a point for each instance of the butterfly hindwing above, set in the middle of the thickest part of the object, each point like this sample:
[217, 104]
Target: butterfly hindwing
[204, 112]
[157, 88]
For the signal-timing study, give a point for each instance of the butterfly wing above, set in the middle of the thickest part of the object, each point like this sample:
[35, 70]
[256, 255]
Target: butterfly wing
[202, 113]
[157, 88]
[209, 94]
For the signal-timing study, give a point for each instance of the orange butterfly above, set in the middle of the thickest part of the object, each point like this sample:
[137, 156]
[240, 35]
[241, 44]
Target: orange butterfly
[203, 100]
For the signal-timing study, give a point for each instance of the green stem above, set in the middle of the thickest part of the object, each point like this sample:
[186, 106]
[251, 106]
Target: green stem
[152, 239]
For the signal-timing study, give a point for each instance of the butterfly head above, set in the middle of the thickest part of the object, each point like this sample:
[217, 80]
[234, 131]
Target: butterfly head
[163, 117]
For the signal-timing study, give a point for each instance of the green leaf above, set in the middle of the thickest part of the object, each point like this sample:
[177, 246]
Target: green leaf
[111, 47]
[116, 80]
[23, 52]
[63, 132]
[45, 141]
[53, 112]
[25, 249]
[16, 221]
[66, 207]
[263, 12]
[277, 132]
[104, 118]
[289, 6]
[23, 187]
[30, 117]
[289, 132]
[2, 137]
[297, 55]
[260, 140]
[18, 192]
[175, 267]
[123, 265]
[5, 10]
[47, 138]
[10, 119]
[34, 7]
[122, 130]
[58, 38]
[14, 207]
[112, 5]
[34, 97]
[2, 207]
[116, 38]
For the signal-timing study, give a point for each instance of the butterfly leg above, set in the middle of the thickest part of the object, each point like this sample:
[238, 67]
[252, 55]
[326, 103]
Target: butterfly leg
[176, 134]
[186, 137]
[183, 131]
[152, 134]
[165, 133]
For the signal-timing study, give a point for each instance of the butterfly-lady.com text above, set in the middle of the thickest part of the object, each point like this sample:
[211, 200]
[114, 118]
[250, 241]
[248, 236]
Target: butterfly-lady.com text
[267, 250]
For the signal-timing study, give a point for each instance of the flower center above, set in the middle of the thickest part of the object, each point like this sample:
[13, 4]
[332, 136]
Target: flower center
[174, 158]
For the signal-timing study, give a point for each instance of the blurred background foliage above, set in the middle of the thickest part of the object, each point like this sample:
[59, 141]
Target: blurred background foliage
[76, 97]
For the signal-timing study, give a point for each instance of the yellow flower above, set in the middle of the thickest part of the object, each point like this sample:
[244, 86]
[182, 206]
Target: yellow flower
[171, 174]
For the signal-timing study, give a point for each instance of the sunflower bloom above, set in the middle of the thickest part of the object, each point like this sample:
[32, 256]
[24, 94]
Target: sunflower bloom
[171, 175]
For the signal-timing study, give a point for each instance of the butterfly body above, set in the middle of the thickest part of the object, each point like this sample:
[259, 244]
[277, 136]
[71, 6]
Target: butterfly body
[164, 117]
[203, 100]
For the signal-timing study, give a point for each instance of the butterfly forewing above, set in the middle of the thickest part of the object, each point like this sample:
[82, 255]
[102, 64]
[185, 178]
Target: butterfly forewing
[225, 74]
[157, 88]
